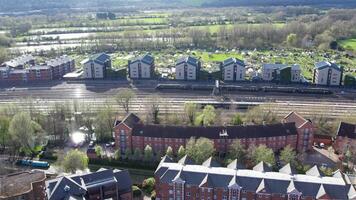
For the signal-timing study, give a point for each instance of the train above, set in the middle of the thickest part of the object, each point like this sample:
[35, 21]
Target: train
[278, 89]
[32, 163]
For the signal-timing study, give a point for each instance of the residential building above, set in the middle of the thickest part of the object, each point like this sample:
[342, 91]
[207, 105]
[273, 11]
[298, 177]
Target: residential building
[327, 73]
[188, 68]
[61, 66]
[345, 138]
[142, 67]
[102, 184]
[96, 66]
[132, 133]
[305, 129]
[233, 69]
[20, 62]
[40, 72]
[281, 73]
[23, 185]
[179, 181]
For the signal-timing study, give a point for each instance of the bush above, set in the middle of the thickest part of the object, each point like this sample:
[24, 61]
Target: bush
[148, 185]
[153, 195]
[136, 191]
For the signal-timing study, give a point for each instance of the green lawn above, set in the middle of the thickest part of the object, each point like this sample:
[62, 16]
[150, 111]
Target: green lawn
[349, 44]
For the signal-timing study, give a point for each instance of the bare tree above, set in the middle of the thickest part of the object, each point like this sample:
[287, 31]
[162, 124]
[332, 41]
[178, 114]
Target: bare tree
[124, 98]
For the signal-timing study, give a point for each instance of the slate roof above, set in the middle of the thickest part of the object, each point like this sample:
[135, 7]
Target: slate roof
[188, 59]
[75, 186]
[314, 171]
[256, 181]
[287, 169]
[130, 120]
[186, 161]
[325, 64]
[296, 118]
[347, 130]
[212, 132]
[99, 58]
[210, 162]
[273, 66]
[148, 59]
[230, 61]
[21, 60]
[236, 165]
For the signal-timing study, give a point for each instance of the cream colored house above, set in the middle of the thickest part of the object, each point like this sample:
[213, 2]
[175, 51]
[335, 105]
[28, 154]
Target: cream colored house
[187, 68]
[142, 67]
[233, 69]
[327, 73]
[96, 66]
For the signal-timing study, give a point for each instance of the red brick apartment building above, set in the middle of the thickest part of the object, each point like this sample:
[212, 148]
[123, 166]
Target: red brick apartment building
[345, 138]
[132, 133]
[51, 70]
[23, 185]
[187, 181]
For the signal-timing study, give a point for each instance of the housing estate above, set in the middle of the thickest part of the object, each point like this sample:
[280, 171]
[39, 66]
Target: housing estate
[102, 184]
[327, 73]
[28, 70]
[132, 133]
[281, 73]
[96, 66]
[141, 67]
[187, 180]
[23, 185]
[345, 138]
[20, 62]
[188, 68]
[233, 69]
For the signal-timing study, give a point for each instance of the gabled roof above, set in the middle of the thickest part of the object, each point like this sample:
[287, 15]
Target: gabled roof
[351, 193]
[287, 169]
[230, 61]
[210, 162]
[263, 187]
[314, 171]
[207, 181]
[347, 130]
[236, 165]
[186, 160]
[291, 188]
[99, 58]
[166, 158]
[64, 188]
[325, 64]
[124, 181]
[130, 120]
[234, 183]
[179, 177]
[296, 118]
[273, 66]
[148, 59]
[213, 132]
[262, 167]
[188, 59]
[321, 192]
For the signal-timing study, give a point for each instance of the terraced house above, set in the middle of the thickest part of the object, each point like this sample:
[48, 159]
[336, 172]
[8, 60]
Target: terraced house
[141, 67]
[188, 68]
[233, 69]
[132, 133]
[187, 181]
[327, 73]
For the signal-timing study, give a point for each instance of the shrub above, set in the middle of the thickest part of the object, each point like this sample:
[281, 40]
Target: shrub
[153, 195]
[148, 185]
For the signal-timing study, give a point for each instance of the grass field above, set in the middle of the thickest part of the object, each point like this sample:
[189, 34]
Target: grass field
[349, 44]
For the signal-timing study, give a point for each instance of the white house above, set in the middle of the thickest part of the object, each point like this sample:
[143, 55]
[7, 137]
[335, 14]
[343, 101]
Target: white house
[233, 69]
[141, 67]
[96, 66]
[327, 73]
[281, 72]
[187, 68]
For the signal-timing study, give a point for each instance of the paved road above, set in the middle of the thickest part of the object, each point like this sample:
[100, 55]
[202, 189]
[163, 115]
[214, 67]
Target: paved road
[97, 94]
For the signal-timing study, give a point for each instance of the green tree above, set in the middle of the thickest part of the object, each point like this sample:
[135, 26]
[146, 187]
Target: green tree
[181, 152]
[236, 151]
[155, 109]
[128, 153]
[292, 40]
[261, 114]
[200, 149]
[148, 153]
[4, 131]
[137, 154]
[169, 151]
[207, 117]
[148, 185]
[288, 155]
[262, 153]
[75, 160]
[117, 154]
[236, 119]
[104, 121]
[190, 110]
[124, 98]
[3, 55]
[99, 150]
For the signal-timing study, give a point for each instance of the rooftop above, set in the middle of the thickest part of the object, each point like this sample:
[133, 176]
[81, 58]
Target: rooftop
[147, 58]
[347, 130]
[296, 118]
[230, 61]
[19, 183]
[326, 64]
[188, 59]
